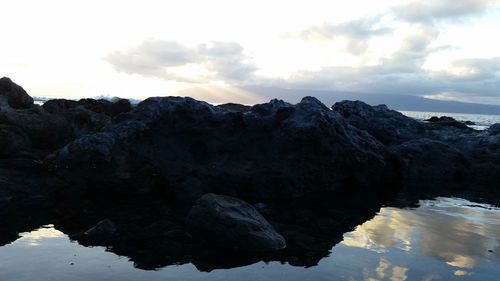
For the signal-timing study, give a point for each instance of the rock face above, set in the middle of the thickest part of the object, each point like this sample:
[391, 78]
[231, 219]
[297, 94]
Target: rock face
[494, 129]
[188, 148]
[449, 121]
[13, 141]
[388, 126]
[46, 131]
[231, 223]
[58, 121]
[15, 94]
[431, 161]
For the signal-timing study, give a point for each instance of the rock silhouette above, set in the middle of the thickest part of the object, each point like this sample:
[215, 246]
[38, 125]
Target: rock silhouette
[128, 177]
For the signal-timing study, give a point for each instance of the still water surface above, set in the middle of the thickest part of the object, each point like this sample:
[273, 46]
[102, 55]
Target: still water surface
[442, 239]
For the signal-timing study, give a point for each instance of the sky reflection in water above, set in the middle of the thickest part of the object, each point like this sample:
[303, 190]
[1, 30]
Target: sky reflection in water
[443, 239]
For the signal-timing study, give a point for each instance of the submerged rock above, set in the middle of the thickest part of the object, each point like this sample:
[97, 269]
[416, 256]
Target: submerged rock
[231, 223]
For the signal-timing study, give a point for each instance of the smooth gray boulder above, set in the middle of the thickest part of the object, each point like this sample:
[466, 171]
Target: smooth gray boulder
[231, 223]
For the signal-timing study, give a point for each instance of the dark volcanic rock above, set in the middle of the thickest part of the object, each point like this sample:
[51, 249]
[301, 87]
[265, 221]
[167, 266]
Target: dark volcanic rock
[81, 119]
[144, 168]
[494, 129]
[432, 161]
[388, 126]
[110, 108]
[56, 106]
[15, 94]
[103, 233]
[447, 121]
[13, 141]
[231, 223]
[45, 130]
[235, 107]
[185, 147]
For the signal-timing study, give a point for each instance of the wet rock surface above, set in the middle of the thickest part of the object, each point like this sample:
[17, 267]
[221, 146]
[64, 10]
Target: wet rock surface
[136, 179]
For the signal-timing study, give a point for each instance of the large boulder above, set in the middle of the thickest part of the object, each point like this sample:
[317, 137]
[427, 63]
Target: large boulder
[59, 106]
[82, 119]
[231, 223]
[386, 125]
[15, 94]
[110, 108]
[447, 121]
[46, 131]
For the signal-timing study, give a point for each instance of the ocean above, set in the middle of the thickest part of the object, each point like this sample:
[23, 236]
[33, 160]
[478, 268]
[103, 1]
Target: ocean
[482, 121]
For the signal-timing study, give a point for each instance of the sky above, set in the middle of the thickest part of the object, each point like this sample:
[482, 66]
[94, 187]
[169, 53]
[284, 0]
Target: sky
[213, 50]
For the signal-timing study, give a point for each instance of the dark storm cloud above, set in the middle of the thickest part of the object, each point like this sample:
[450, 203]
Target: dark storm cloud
[157, 58]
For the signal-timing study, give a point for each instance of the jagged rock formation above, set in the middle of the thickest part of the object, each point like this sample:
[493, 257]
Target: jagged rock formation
[93, 163]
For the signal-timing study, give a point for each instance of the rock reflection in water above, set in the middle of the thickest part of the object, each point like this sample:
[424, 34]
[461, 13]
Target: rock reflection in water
[442, 239]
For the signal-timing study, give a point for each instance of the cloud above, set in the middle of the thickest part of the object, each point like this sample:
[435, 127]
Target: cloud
[402, 71]
[151, 57]
[227, 61]
[355, 33]
[471, 79]
[170, 60]
[431, 10]
[470, 69]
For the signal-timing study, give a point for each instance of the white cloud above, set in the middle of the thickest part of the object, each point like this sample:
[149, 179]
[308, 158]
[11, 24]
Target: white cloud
[169, 60]
[356, 33]
[431, 10]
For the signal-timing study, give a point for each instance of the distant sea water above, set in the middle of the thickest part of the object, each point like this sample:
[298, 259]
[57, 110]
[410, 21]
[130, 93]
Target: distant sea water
[482, 121]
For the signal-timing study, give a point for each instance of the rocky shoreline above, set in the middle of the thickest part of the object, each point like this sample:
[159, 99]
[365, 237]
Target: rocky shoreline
[175, 180]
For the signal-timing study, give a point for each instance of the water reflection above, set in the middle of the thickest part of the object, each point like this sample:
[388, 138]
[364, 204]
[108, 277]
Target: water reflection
[442, 239]
[462, 235]
[34, 238]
